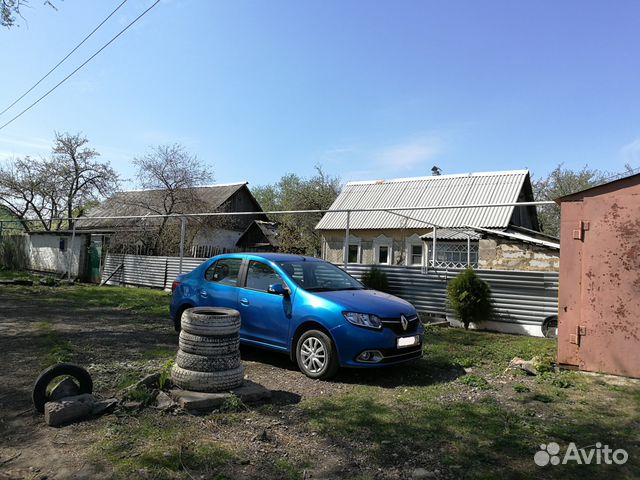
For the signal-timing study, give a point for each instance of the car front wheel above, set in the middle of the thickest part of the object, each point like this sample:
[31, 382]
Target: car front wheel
[316, 355]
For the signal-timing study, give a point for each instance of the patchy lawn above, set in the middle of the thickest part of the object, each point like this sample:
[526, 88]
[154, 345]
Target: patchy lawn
[455, 414]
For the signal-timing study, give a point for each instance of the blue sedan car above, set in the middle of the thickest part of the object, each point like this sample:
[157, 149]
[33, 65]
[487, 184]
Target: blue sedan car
[305, 307]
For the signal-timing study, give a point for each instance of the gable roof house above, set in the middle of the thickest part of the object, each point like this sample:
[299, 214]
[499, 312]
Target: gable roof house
[206, 236]
[502, 237]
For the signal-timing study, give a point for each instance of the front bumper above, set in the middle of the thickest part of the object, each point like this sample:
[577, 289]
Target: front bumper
[351, 341]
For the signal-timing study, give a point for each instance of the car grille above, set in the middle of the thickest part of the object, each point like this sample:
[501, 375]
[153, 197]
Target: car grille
[396, 326]
[395, 354]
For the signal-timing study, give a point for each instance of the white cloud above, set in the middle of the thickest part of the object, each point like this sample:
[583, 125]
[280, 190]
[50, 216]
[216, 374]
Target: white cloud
[409, 155]
[26, 145]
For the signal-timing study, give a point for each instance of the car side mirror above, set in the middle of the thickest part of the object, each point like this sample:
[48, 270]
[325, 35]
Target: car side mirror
[279, 289]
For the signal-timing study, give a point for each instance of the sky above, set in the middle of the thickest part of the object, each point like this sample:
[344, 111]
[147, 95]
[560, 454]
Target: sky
[367, 89]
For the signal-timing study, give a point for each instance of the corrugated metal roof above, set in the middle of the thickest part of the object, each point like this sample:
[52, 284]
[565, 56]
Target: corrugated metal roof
[448, 234]
[460, 189]
[512, 234]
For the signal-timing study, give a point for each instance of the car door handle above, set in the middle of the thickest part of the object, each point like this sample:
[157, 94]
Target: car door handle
[203, 293]
[244, 302]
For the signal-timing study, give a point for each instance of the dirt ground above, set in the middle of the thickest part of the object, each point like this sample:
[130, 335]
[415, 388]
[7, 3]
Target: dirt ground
[455, 414]
[111, 341]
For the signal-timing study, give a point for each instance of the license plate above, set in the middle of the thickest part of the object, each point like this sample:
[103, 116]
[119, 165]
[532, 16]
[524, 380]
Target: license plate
[408, 341]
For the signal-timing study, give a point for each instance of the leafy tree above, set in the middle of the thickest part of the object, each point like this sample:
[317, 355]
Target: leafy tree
[470, 298]
[562, 181]
[45, 191]
[297, 232]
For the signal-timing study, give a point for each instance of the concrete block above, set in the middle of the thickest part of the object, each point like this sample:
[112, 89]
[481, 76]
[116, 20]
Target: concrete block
[68, 410]
[248, 392]
[66, 388]
[198, 400]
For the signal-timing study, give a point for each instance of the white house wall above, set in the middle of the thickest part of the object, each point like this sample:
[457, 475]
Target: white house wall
[45, 254]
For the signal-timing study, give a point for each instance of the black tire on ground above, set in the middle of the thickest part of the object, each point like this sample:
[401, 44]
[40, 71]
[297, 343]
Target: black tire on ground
[550, 327]
[331, 364]
[208, 346]
[211, 321]
[202, 363]
[82, 377]
[207, 381]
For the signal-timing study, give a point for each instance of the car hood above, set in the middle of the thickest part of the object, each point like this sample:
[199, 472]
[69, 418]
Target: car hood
[369, 301]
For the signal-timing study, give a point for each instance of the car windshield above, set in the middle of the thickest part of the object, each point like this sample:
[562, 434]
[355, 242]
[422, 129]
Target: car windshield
[320, 276]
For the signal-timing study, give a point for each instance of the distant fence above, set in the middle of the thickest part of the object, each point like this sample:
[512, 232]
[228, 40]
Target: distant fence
[522, 299]
[145, 271]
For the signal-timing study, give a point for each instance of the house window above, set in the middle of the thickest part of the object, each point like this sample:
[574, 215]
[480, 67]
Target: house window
[63, 245]
[383, 250]
[454, 255]
[414, 250]
[416, 255]
[383, 254]
[354, 253]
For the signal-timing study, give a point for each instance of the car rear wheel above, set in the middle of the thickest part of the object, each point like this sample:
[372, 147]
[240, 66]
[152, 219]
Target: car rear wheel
[316, 355]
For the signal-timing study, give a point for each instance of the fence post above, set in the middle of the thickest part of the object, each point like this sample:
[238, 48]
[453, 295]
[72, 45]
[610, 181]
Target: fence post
[182, 232]
[73, 237]
[433, 254]
[346, 242]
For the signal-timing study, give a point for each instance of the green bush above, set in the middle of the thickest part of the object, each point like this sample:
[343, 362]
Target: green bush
[376, 279]
[469, 297]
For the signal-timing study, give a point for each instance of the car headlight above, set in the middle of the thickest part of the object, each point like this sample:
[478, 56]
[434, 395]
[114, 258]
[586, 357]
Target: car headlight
[363, 319]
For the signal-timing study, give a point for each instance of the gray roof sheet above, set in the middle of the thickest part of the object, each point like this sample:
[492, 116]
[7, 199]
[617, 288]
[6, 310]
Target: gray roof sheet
[148, 202]
[460, 189]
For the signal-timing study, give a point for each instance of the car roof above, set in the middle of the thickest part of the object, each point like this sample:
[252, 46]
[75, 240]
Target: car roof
[274, 257]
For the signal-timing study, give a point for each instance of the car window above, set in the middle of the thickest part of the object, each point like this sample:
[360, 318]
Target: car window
[295, 271]
[320, 276]
[260, 276]
[224, 271]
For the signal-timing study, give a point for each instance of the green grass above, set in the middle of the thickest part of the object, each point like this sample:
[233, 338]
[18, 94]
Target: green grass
[491, 351]
[142, 301]
[494, 433]
[164, 447]
[13, 275]
[55, 349]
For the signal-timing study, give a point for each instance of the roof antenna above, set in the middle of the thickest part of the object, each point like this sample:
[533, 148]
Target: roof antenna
[435, 171]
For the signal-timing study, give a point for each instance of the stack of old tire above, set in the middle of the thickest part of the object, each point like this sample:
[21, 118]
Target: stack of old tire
[208, 358]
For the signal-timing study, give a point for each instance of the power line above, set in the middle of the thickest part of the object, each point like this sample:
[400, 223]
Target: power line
[67, 56]
[82, 65]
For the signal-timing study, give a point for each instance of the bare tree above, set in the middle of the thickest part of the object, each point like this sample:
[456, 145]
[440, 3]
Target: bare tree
[49, 190]
[9, 9]
[169, 174]
[83, 179]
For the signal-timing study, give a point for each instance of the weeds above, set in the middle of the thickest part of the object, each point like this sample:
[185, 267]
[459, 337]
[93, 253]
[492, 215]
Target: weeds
[165, 374]
[55, 348]
[475, 381]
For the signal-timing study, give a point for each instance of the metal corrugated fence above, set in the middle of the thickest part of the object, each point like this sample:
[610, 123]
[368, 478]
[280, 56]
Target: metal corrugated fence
[525, 298]
[521, 298]
[146, 271]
